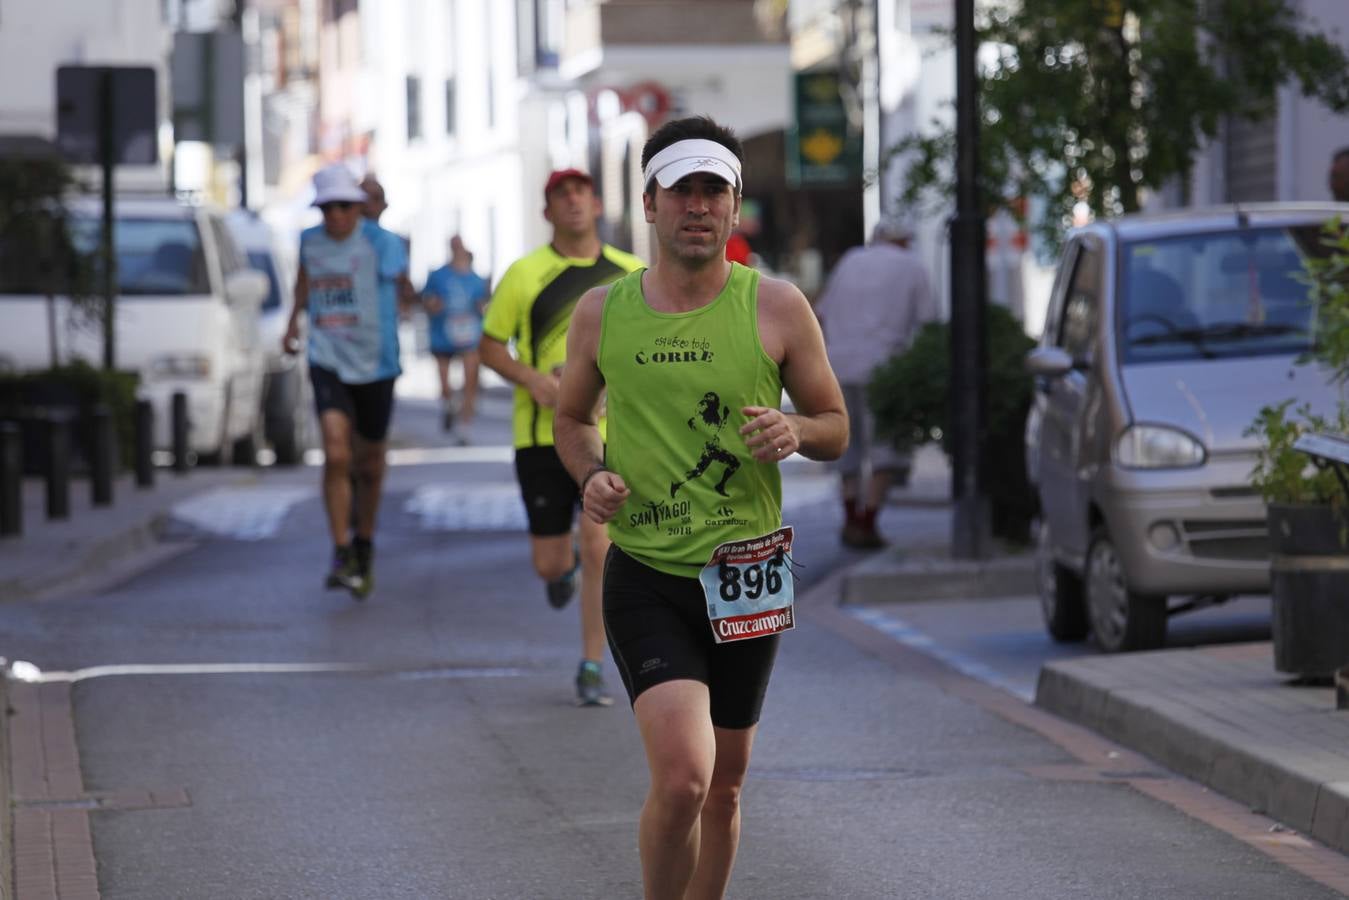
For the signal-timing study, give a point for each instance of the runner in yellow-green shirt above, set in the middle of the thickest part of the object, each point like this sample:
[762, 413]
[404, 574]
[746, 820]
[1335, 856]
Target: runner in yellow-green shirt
[693, 355]
[532, 307]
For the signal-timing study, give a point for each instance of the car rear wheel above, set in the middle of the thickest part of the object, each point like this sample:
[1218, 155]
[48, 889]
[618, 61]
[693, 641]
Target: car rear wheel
[1121, 619]
[1061, 602]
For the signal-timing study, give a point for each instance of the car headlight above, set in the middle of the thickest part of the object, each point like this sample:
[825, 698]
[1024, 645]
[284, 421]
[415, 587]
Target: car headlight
[1158, 447]
[190, 366]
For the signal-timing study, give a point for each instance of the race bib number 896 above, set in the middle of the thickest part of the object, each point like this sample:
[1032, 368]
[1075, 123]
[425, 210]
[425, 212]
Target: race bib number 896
[749, 588]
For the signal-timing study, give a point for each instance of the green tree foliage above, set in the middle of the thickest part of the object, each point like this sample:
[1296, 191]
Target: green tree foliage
[1283, 474]
[1098, 100]
[37, 255]
[910, 395]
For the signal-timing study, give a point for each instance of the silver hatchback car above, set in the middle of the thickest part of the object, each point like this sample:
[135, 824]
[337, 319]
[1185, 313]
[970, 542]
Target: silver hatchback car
[1165, 335]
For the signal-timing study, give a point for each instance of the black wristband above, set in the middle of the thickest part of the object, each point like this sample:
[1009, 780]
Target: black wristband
[594, 470]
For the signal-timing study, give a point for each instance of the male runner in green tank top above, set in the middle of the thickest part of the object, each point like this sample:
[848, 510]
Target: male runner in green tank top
[694, 354]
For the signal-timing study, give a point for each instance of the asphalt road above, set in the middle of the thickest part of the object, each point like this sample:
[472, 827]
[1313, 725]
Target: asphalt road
[424, 744]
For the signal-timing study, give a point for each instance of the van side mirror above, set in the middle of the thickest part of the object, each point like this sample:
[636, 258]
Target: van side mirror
[1048, 362]
[246, 287]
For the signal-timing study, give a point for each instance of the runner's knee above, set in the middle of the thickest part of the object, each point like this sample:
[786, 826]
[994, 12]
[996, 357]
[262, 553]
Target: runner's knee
[337, 457]
[723, 799]
[681, 792]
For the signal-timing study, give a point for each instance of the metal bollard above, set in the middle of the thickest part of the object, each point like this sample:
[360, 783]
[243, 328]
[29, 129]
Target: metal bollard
[58, 465]
[179, 424]
[101, 449]
[11, 479]
[145, 443]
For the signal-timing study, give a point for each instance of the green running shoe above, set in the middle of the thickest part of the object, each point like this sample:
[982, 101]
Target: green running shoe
[590, 685]
[363, 575]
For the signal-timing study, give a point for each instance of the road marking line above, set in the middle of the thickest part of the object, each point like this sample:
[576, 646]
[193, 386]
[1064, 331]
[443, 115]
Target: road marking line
[25, 672]
[909, 636]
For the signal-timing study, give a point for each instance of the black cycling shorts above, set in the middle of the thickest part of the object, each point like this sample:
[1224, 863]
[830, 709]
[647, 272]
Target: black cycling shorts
[551, 496]
[368, 406]
[658, 631]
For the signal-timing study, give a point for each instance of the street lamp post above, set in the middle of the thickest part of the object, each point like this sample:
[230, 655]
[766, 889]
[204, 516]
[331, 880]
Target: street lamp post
[970, 531]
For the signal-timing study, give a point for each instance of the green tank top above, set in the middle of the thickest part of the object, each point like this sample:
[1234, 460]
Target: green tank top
[676, 384]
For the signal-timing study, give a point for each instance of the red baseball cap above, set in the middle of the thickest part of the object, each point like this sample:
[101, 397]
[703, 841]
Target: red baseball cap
[562, 175]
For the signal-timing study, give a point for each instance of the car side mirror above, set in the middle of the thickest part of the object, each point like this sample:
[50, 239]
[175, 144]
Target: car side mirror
[246, 287]
[1048, 362]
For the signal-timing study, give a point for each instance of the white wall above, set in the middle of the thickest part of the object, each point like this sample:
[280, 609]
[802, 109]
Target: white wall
[1310, 133]
[37, 37]
[438, 184]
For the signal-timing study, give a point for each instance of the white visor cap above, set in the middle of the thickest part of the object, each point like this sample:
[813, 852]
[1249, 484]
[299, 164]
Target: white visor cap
[685, 157]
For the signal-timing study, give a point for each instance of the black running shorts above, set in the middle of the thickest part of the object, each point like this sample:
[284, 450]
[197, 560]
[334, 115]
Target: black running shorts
[551, 496]
[658, 631]
[368, 406]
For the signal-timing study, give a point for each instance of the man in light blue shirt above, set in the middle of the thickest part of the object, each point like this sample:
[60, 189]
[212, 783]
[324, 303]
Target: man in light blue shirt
[346, 287]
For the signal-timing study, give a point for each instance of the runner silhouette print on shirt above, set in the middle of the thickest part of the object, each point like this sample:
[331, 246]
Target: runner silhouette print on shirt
[710, 418]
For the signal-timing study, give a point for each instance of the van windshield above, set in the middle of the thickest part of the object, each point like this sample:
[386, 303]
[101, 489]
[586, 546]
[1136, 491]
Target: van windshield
[1241, 292]
[154, 256]
[262, 261]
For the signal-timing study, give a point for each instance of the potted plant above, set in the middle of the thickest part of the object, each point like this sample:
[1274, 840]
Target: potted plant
[910, 394]
[1308, 510]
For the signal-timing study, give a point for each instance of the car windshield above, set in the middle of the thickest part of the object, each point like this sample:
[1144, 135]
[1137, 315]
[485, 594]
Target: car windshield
[1241, 292]
[262, 261]
[154, 256]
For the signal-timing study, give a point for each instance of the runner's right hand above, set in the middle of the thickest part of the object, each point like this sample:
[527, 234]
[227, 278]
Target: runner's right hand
[606, 492]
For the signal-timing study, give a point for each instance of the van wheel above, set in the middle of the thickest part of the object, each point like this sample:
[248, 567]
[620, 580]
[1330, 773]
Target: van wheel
[1061, 602]
[1121, 619]
[244, 451]
[217, 457]
[287, 447]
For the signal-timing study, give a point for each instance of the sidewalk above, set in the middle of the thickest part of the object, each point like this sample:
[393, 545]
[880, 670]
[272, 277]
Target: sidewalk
[51, 555]
[1223, 717]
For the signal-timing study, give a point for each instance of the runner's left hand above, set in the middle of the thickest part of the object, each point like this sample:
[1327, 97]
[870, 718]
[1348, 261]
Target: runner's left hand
[769, 434]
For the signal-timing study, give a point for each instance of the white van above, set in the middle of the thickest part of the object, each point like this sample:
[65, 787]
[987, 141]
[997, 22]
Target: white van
[287, 399]
[187, 312]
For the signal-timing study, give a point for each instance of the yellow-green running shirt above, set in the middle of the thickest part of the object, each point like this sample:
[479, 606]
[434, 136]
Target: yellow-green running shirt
[676, 385]
[532, 305]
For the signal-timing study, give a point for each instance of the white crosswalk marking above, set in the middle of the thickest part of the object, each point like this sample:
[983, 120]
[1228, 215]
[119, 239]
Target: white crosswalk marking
[242, 513]
[497, 507]
[462, 507]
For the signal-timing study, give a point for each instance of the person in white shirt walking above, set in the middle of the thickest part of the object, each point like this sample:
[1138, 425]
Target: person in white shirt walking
[874, 302]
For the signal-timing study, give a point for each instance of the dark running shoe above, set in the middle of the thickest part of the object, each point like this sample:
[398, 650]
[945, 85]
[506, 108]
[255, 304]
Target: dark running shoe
[590, 685]
[561, 590]
[343, 569]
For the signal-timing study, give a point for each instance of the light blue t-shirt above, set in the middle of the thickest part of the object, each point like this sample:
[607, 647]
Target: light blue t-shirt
[458, 324]
[353, 301]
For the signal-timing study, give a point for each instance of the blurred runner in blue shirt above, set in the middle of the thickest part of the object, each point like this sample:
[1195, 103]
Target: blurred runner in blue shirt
[346, 288]
[455, 298]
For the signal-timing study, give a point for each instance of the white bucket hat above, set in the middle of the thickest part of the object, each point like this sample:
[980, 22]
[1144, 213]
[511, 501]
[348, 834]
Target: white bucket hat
[335, 182]
[692, 155]
[893, 228]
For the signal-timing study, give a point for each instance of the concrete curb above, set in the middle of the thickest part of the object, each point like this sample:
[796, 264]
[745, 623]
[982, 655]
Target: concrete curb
[98, 556]
[1306, 789]
[885, 580]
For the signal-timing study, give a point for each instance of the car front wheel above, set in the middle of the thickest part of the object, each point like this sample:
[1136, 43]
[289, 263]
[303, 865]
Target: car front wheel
[1060, 589]
[1121, 619]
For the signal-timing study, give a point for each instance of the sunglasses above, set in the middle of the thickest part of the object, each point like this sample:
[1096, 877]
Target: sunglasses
[343, 205]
